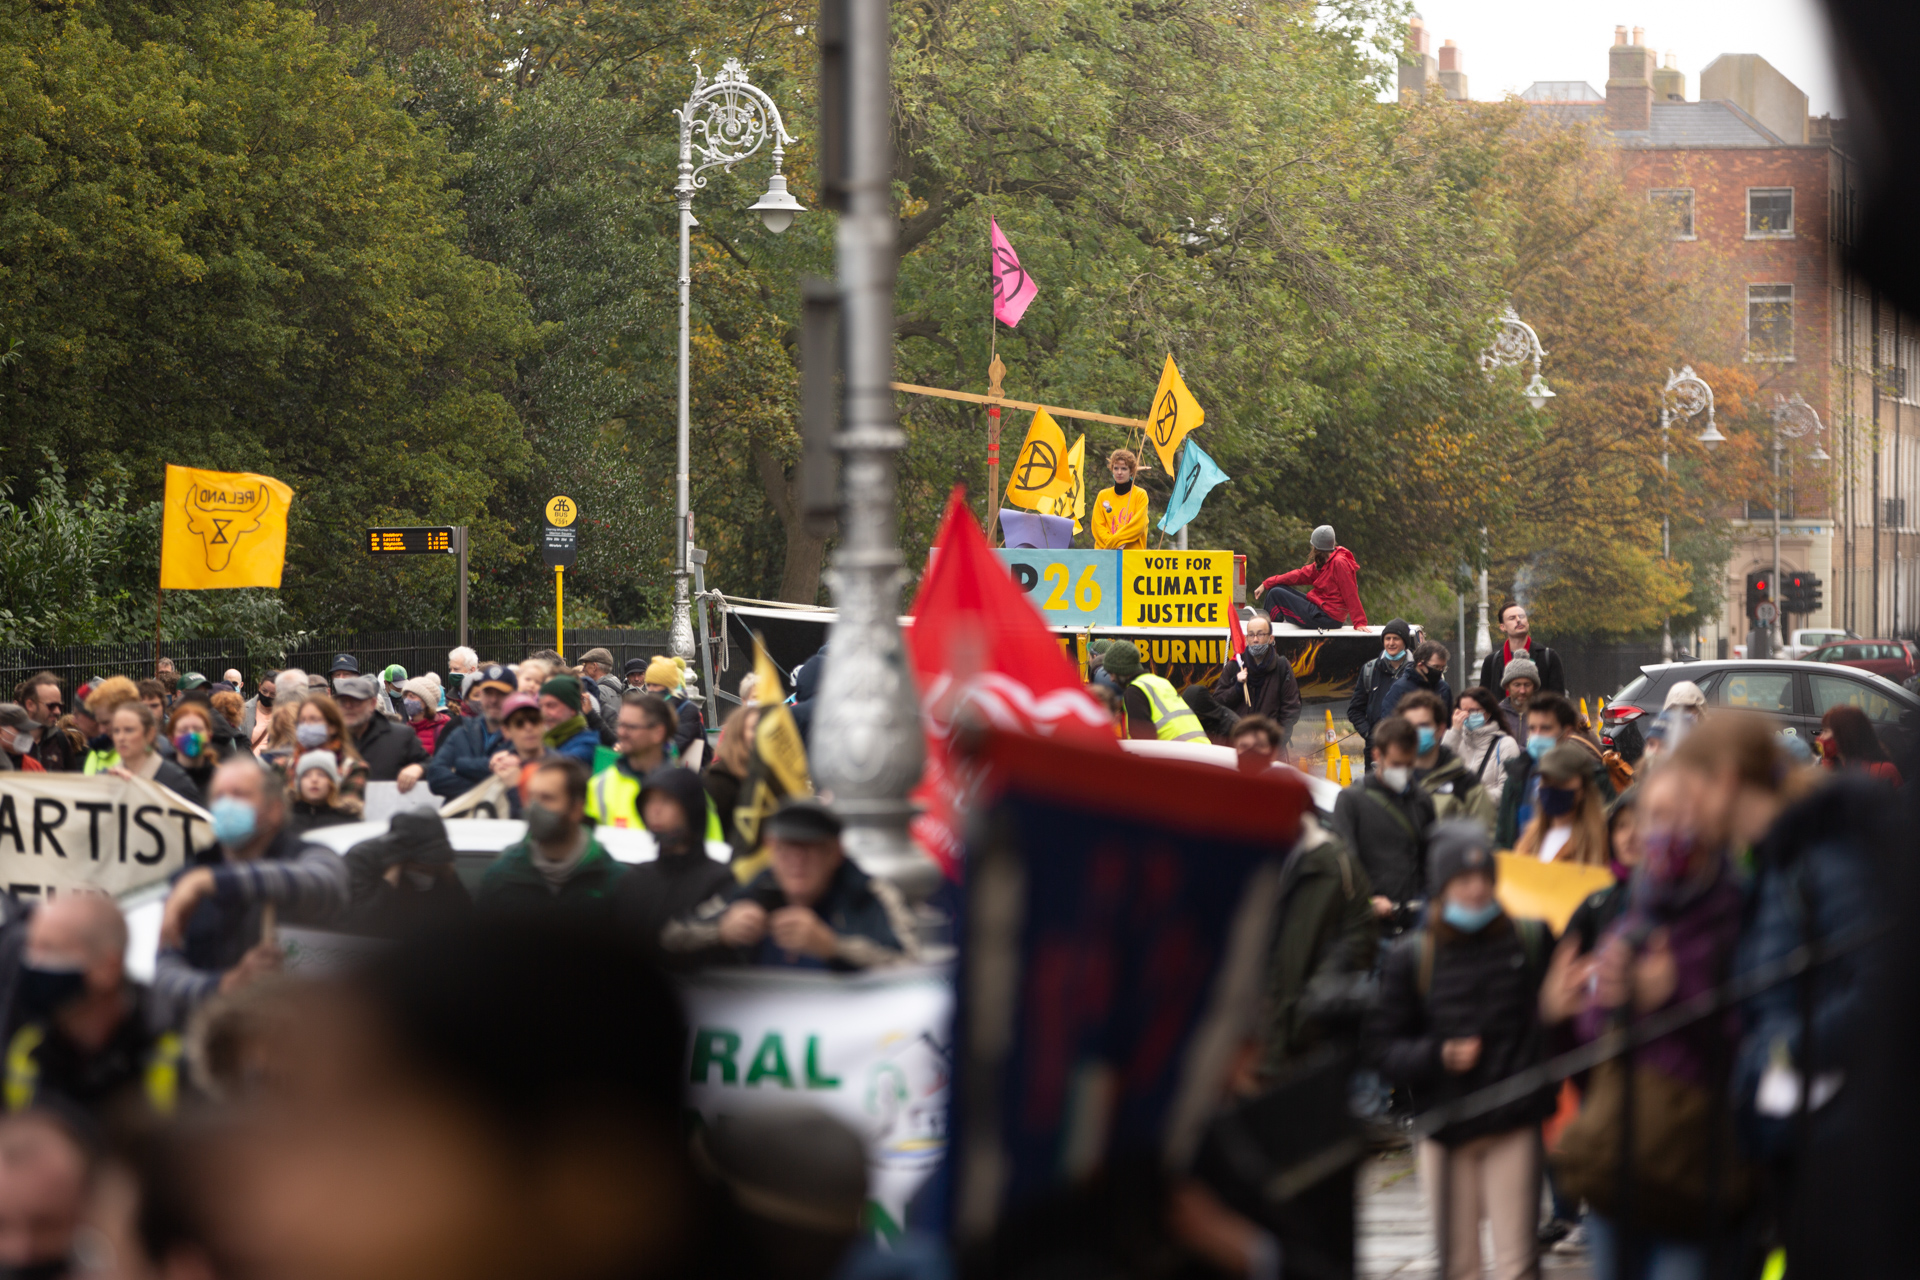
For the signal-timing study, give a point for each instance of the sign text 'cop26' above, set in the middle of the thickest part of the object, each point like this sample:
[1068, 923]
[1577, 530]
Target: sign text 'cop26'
[1125, 588]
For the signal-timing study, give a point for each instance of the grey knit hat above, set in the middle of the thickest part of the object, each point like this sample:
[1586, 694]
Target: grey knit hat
[1520, 669]
[1455, 847]
[325, 761]
[1123, 661]
[1322, 539]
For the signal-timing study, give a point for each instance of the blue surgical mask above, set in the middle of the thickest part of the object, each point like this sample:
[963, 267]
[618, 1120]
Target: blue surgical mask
[414, 708]
[1426, 739]
[234, 821]
[1395, 658]
[1469, 919]
[1476, 719]
[1538, 745]
[310, 735]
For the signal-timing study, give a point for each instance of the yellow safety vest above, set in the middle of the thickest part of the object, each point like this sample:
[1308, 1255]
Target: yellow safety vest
[1173, 719]
[613, 800]
[161, 1079]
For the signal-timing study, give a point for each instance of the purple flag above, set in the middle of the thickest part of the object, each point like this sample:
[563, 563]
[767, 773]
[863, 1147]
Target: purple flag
[1013, 288]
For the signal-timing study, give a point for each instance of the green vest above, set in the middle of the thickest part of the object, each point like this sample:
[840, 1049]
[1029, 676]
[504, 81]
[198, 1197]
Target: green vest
[1173, 719]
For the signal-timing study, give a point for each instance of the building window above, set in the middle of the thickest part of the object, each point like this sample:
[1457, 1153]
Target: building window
[1769, 322]
[1770, 213]
[1674, 206]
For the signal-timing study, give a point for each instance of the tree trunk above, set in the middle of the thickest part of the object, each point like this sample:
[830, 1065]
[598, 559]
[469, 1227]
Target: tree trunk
[806, 551]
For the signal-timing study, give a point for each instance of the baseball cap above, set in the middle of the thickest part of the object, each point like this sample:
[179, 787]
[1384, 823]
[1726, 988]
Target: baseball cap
[518, 702]
[355, 687]
[346, 662]
[15, 716]
[807, 821]
[192, 680]
[495, 676]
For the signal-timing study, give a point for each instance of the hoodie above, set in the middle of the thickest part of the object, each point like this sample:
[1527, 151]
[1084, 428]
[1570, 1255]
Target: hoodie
[654, 894]
[1335, 586]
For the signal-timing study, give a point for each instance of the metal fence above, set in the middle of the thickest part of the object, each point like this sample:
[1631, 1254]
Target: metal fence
[417, 651]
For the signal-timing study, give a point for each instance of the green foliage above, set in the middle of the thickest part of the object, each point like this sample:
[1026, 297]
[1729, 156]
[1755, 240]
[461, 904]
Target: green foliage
[225, 245]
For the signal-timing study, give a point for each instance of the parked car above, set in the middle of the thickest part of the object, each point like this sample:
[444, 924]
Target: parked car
[1803, 642]
[1795, 694]
[1897, 660]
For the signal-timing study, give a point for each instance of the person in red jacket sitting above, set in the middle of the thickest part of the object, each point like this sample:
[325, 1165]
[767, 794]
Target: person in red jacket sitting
[1336, 589]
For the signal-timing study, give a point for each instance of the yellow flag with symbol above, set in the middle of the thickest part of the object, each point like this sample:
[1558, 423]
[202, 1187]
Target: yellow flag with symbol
[776, 767]
[1071, 504]
[1040, 470]
[222, 529]
[1175, 412]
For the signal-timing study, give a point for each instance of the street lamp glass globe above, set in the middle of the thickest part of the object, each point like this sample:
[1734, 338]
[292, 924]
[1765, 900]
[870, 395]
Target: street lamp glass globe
[1538, 393]
[1711, 437]
[1819, 454]
[777, 207]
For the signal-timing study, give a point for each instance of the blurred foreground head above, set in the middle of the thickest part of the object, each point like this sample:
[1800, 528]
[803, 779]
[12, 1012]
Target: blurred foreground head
[497, 1104]
[43, 1175]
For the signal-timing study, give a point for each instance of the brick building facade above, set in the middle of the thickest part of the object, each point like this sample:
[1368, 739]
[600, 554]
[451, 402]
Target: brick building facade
[1760, 198]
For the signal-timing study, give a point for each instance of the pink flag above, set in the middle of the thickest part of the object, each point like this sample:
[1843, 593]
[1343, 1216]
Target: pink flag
[1013, 288]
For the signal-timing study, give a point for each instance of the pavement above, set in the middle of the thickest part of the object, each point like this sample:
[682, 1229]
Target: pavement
[1396, 1233]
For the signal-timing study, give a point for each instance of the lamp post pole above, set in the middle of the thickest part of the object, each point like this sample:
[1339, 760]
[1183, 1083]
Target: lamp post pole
[867, 750]
[1793, 419]
[1514, 343]
[733, 120]
[1685, 396]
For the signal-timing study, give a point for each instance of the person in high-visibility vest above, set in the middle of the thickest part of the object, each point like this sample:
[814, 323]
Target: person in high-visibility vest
[644, 731]
[85, 1034]
[1153, 707]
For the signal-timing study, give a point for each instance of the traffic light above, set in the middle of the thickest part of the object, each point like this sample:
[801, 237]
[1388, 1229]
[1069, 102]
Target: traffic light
[1759, 583]
[1800, 593]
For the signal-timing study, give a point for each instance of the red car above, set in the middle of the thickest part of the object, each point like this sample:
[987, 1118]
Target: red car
[1897, 660]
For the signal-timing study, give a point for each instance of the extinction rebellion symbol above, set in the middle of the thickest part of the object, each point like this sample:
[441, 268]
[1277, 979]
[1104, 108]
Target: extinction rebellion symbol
[1039, 457]
[1166, 419]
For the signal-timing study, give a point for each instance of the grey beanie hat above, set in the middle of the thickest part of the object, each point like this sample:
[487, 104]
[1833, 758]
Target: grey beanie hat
[325, 761]
[1123, 661]
[1322, 539]
[1520, 669]
[1455, 847]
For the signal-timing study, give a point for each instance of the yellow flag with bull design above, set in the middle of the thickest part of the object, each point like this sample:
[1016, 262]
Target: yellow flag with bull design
[1071, 504]
[222, 529]
[1175, 413]
[1040, 470]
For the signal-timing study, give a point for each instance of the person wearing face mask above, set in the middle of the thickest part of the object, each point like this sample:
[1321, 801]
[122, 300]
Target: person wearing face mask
[392, 753]
[1426, 673]
[652, 895]
[420, 711]
[317, 799]
[81, 1032]
[43, 1185]
[463, 752]
[1479, 737]
[1550, 720]
[16, 739]
[1365, 707]
[319, 726]
[1383, 818]
[1259, 682]
[190, 730]
[1459, 1009]
[210, 930]
[1569, 819]
[405, 880]
[559, 866]
[1443, 776]
[1119, 519]
[258, 706]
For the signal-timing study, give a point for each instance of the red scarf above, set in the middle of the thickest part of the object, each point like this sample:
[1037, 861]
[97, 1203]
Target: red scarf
[1506, 652]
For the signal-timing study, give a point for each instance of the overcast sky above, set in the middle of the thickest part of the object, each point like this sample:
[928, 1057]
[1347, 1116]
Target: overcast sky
[1509, 46]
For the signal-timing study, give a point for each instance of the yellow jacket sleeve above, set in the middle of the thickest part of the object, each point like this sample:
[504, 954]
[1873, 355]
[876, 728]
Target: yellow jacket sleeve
[1120, 522]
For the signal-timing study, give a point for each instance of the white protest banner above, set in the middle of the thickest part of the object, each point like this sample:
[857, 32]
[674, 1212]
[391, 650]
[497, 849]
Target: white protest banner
[488, 800]
[384, 799]
[63, 831]
[873, 1050]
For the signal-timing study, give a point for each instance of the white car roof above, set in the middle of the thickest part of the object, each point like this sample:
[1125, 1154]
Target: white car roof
[1324, 793]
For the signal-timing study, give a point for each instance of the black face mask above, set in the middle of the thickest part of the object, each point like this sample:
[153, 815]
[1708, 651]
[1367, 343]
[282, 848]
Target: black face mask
[44, 992]
[266, 699]
[676, 842]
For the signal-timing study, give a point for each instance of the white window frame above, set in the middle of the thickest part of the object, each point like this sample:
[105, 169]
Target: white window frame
[1788, 298]
[1663, 195]
[1792, 212]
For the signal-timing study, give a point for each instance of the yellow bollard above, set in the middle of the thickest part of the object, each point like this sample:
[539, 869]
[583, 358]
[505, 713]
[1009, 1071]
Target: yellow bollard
[1602, 704]
[1333, 770]
[1583, 711]
[1346, 770]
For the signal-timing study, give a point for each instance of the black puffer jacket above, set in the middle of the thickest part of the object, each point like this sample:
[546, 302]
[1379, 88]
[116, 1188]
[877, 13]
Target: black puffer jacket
[1484, 984]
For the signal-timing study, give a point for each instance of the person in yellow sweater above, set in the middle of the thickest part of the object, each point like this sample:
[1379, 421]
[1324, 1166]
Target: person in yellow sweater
[1120, 513]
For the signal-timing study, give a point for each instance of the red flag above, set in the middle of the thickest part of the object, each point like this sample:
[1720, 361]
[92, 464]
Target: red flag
[978, 644]
[1234, 633]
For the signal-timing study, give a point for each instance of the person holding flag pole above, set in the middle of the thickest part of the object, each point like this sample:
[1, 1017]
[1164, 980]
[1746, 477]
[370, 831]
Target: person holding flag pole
[1258, 679]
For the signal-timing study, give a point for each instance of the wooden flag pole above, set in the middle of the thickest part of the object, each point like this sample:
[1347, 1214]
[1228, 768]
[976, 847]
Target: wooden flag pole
[159, 602]
[995, 373]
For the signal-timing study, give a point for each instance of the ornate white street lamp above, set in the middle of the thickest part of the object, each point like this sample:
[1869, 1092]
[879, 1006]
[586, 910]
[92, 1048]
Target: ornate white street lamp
[732, 119]
[1515, 343]
[1685, 396]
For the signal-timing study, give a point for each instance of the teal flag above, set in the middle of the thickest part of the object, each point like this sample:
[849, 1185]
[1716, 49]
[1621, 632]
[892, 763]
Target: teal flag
[1198, 474]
